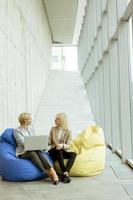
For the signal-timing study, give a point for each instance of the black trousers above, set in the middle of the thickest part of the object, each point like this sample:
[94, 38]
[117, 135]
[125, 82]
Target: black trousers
[60, 155]
[38, 159]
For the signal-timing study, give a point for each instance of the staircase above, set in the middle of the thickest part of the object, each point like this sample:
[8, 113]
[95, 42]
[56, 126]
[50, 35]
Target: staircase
[64, 92]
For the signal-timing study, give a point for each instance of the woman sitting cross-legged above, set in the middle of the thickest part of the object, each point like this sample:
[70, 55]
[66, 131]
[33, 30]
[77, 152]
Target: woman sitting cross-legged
[60, 139]
[36, 157]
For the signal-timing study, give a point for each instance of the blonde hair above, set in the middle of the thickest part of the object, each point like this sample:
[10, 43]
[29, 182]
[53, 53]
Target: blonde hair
[22, 117]
[63, 118]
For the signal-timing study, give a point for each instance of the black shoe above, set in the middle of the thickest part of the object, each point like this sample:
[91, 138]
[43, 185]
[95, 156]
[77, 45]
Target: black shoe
[66, 178]
[55, 182]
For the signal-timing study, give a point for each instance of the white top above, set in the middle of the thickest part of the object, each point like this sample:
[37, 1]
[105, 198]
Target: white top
[19, 134]
[61, 135]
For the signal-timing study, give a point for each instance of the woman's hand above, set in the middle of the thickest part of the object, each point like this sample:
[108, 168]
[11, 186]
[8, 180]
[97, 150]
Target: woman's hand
[59, 146]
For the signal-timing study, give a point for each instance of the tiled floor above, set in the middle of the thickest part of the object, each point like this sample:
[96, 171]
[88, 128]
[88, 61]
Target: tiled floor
[116, 182]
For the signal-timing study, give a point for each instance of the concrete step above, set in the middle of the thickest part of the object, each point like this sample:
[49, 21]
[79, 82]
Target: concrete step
[65, 92]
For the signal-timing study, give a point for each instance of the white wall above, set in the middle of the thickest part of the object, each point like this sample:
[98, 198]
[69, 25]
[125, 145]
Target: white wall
[25, 56]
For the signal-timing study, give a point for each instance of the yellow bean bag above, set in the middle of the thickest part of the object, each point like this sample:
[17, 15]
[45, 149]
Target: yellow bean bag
[90, 148]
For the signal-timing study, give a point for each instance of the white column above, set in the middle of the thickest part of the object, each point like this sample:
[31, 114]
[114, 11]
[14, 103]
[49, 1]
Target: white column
[114, 83]
[124, 91]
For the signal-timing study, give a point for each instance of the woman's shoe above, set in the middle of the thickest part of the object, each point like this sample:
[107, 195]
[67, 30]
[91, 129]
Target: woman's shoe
[56, 182]
[66, 178]
[54, 178]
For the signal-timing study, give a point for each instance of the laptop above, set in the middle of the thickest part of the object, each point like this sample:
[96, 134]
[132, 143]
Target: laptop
[36, 142]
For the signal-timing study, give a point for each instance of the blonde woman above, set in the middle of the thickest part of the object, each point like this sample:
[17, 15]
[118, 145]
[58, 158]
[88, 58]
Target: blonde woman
[60, 139]
[36, 157]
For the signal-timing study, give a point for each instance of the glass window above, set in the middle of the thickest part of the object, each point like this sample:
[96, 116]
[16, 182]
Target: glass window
[57, 58]
[64, 58]
[131, 82]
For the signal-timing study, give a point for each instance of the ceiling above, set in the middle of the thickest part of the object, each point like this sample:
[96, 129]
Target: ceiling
[62, 19]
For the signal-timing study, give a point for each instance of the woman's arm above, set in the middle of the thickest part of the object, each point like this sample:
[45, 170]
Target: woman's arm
[50, 136]
[18, 137]
[66, 145]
